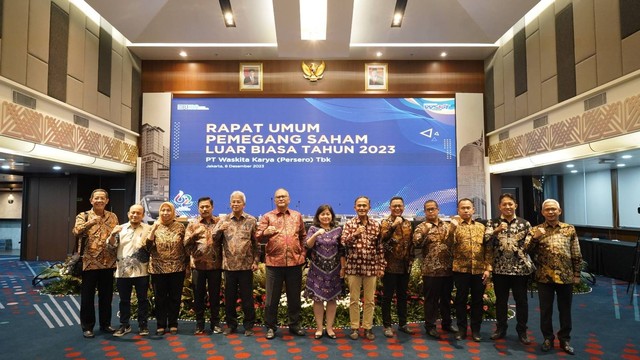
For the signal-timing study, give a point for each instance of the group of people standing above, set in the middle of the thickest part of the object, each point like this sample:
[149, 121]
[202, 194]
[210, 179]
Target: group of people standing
[463, 252]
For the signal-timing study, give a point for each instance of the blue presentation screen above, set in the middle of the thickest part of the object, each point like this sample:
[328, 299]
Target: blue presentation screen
[321, 150]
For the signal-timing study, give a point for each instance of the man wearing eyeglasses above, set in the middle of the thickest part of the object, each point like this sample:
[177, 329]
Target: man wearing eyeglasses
[555, 247]
[396, 233]
[282, 231]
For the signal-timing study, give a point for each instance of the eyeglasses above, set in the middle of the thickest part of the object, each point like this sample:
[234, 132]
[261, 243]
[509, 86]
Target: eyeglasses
[282, 196]
[430, 209]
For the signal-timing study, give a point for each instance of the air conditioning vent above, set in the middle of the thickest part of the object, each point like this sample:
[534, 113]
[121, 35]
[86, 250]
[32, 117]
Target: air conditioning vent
[595, 101]
[118, 135]
[540, 122]
[503, 135]
[80, 121]
[24, 100]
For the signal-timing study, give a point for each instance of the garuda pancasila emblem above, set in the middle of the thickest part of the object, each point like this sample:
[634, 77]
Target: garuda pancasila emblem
[313, 72]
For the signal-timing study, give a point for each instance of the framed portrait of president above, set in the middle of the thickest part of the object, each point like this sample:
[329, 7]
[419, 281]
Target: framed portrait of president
[375, 76]
[250, 76]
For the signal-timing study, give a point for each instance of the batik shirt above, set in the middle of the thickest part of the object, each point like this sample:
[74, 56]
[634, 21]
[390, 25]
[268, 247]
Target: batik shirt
[437, 248]
[204, 244]
[286, 247]
[364, 252]
[398, 245]
[96, 254]
[132, 241]
[556, 254]
[470, 254]
[239, 243]
[167, 250]
[507, 247]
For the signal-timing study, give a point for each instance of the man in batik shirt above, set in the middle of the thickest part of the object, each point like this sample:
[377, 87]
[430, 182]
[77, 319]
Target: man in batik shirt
[204, 245]
[435, 237]
[396, 233]
[505, 237]
[282, 231]
[129, 240]
[364, 263]
[92, 228]
[240, 259]
[471, 269]
[556, 250]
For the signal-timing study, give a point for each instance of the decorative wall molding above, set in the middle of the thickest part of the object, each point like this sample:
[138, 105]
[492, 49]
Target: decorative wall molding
[604, 122]
[26, 124]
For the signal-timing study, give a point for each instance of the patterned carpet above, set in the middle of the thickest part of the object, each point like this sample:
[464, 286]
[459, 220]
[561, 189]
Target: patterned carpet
[606, 325]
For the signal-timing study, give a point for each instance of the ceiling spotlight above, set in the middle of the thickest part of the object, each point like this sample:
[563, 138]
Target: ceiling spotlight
[227, 13]
[398, 13]
[570, 166]
[57, 167]
[443, 54]
[621, 165]
[627, 156]
[574, 171]
[183, 53]
[6, 167]
[378, 54]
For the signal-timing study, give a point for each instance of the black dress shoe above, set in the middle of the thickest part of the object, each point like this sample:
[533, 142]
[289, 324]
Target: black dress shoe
[450, 329]
[297, 331]
[461, 335]
[406, 329]
[566, 347]
[270, 334]
[476, 336]
[524, 339]
[88, 334]
[433, 333]
[107, 329]
[547, 344]
[498, 334]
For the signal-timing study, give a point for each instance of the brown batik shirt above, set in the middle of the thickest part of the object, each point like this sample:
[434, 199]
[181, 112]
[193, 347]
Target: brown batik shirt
[168, 254]
[556, 254]
[96, 255]
[437, 248]
[470, 255]
[364, 252]
[239, 243]
[204, 244]
[398, 245]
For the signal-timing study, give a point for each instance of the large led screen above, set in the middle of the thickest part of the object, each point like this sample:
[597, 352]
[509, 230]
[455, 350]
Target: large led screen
[320, 150]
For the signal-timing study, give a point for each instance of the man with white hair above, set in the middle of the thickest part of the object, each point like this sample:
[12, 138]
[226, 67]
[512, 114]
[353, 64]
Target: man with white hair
[240, 259]
[556, 250]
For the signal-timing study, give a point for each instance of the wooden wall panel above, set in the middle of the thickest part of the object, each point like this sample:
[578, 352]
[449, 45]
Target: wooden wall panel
[608, 45]
[285, 78]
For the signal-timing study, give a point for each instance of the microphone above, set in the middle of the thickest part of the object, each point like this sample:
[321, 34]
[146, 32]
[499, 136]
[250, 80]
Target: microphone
[272, 203]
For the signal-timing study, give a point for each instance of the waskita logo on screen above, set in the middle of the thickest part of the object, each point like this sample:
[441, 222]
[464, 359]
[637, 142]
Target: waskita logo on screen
[191, 107]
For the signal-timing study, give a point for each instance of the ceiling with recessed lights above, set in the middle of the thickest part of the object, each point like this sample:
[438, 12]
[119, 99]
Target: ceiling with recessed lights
[270, 29]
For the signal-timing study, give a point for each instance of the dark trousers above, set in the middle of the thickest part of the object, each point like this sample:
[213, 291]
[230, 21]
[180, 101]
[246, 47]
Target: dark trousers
[125, 285]
[466, 283]
[397, 283]
[206, 282]
[546, 294]
[103, 281]
[518, 286]
[239, 282]
[167, 289]
[437, 296]
[291, 276]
